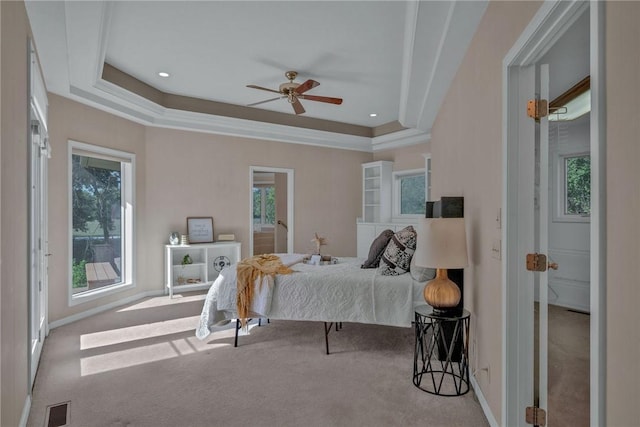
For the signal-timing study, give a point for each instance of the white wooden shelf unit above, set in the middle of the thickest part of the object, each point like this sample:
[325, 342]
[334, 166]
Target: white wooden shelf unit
[376, 191]
[208, 259]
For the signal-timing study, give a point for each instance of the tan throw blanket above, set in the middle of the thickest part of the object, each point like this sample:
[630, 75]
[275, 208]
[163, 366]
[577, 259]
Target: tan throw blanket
[251, 270]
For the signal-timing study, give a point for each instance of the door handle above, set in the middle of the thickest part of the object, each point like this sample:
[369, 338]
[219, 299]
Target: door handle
[553, 265]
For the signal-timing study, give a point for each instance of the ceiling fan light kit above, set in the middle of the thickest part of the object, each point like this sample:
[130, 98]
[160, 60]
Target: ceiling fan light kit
[293, 92]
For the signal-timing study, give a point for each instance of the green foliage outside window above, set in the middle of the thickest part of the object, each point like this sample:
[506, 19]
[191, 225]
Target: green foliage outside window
[79, 274]
[578, 185]
[269, 205]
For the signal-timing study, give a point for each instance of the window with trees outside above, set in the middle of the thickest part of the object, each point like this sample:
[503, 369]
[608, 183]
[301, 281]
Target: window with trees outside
[410, 192]
[264, 205]
[577, 191]
[101, 187]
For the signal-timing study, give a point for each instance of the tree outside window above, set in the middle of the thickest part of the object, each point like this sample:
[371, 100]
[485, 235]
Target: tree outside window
[96, 216]
[578, 185]
[264, 205]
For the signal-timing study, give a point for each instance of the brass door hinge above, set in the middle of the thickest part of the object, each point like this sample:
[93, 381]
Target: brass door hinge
[537, 108]
[536, 262]
[536, 416]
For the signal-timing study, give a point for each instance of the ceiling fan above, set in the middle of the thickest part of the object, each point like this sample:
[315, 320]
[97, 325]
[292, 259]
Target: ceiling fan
[294, 92]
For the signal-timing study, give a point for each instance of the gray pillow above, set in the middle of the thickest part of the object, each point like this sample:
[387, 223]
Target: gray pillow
[421, 274]
[377, 248]
[396, 258]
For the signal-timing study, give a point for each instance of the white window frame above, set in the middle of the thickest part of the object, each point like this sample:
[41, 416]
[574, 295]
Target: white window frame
[396, 178]
[127, 217]
[560, 189]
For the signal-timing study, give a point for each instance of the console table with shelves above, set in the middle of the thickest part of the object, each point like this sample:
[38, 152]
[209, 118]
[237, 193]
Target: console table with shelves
[206, 262]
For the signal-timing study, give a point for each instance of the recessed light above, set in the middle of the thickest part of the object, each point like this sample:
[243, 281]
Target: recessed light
[373, 115]
[163, 74]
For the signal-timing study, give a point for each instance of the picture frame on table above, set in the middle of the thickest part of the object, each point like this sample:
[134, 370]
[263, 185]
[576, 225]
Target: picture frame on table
[200, 229]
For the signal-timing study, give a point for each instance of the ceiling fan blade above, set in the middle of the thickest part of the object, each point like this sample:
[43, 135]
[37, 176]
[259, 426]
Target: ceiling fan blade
[266, 100]
[326, 99]
[263, 88]
[297, 106]
[309, 84]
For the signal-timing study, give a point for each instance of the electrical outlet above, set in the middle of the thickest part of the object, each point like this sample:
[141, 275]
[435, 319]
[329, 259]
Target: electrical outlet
[496, 249]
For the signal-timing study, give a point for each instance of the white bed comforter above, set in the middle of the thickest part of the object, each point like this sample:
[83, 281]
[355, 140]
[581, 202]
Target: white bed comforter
[337, 292]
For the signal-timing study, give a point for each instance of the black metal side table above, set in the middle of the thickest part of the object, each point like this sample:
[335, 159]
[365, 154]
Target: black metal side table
[441, 359]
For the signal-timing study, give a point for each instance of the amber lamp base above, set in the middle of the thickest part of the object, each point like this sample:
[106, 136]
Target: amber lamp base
[441, 293]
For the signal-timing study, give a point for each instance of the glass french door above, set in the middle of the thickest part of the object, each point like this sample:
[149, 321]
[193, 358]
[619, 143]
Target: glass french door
[38, 240]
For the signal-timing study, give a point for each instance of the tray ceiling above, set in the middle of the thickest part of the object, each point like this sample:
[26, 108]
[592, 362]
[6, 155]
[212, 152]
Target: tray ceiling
[394, 59]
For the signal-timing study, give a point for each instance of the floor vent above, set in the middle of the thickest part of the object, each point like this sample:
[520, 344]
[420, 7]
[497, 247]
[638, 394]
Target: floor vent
[58, 415]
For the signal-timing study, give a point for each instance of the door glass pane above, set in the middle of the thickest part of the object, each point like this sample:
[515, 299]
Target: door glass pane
[97, 222]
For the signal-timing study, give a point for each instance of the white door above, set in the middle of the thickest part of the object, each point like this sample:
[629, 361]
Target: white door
[522, 232]
[38, 240]
[542, 237]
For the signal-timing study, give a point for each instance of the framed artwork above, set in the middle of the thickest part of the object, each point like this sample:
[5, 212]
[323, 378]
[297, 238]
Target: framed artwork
[200, 229]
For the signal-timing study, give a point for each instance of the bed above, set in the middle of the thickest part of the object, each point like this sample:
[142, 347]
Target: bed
[334, 293]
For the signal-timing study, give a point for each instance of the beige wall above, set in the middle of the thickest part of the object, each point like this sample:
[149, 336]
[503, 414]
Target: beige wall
[405, 158]
[13, 178]
[466, 150]
[69, 120]
[623, 212]
[181, 174]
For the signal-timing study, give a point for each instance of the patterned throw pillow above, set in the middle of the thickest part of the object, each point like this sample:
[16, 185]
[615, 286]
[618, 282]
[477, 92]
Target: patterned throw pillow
[377, 248]
[396, 258]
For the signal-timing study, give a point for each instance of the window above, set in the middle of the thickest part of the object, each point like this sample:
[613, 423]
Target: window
[264, 205]
[409, 193]
[577, 178]
[574, 187]
[101, 220]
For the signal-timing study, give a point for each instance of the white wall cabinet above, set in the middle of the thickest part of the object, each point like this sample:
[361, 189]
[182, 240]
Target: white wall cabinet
[376, 191]
[207, 260]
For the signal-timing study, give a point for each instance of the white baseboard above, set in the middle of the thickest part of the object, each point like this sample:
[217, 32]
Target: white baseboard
[96, 310]
[483, 403]
[25, 412]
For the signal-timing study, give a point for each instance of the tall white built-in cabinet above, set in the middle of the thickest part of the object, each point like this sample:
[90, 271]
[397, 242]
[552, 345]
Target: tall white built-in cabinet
[376, 191]
[376, 204]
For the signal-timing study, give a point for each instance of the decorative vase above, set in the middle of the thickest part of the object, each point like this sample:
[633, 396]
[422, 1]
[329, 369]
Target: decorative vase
[174, 238]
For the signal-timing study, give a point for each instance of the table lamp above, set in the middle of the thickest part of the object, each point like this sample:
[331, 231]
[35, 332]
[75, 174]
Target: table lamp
[441, 244]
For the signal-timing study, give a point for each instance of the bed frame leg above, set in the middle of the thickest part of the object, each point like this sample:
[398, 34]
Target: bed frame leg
[235, 344]
[327, 329]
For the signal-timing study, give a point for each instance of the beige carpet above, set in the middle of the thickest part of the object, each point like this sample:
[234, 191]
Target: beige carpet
[568, 367]
[141, 365]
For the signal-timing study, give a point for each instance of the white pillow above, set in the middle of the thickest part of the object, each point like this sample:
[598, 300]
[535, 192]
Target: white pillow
[421, 274]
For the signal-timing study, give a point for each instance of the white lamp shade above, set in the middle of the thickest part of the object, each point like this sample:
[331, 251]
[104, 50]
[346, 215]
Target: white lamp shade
[442, 243]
